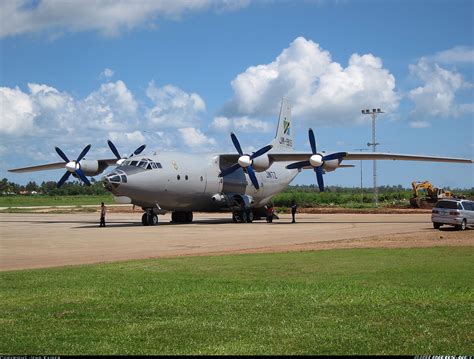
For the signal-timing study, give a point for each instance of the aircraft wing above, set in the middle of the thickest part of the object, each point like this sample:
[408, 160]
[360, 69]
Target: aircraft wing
[402, 157]
[352, 156]
[59, 165]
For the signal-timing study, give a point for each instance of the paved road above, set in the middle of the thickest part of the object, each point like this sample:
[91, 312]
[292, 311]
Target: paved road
[47, 240]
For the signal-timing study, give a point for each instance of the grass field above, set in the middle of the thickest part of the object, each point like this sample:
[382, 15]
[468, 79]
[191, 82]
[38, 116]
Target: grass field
[363, 301]
[41, 200]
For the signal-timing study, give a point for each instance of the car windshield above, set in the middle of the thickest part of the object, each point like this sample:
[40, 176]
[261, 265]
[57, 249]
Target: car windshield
[448, 205]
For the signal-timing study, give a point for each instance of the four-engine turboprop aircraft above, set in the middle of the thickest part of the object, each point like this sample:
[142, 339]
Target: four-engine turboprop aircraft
[237, 182]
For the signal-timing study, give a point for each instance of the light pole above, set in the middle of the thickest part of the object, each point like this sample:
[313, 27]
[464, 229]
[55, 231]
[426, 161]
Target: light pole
[374, 113]
[361, 188]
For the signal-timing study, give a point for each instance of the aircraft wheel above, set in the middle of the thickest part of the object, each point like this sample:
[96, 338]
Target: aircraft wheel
[189, 217]
[145, 219]
[436, 225]
[243, 216]
[249, 216]
[153, 220]
[234, 218]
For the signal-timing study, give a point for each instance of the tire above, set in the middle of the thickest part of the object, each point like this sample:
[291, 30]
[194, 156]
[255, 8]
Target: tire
[243, 216]
[189, 217]
[436, 225]
[234, 218]
[145, 219]
[249, 217]
[463, 225]
[154, 220]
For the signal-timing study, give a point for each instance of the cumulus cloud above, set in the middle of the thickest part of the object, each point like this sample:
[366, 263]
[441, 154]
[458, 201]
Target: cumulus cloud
[46, 110]
[173, 107]
[321, 90]
[108, 17]
[193, 137]
[436, 97]
[17, 112]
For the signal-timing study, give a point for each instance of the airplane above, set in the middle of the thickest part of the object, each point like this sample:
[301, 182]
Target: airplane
[242, 183]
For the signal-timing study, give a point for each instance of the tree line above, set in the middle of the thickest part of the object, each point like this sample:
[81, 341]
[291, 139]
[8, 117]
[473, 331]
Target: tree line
[70, 188]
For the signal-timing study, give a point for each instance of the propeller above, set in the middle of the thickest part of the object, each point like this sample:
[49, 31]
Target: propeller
[316, 160]
[73, 166]
[120, 159]
[245, 161]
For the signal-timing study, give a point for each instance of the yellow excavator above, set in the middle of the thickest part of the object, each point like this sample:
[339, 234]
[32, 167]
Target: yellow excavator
[425, 195]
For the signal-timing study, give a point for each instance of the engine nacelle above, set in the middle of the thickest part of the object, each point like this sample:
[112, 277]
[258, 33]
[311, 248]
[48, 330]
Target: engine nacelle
[331, 165]
[90, 167]
[261, 163]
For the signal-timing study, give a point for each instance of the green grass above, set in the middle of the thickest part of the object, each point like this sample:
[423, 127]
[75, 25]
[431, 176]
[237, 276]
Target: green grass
[363, 301]
[44, 200]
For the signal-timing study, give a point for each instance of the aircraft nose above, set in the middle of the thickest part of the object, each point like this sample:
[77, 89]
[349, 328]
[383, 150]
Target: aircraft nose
[114, 179]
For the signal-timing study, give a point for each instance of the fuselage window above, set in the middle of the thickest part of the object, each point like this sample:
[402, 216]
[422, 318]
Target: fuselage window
[158, 165]
[201, 178]
[178, 177]
[186, 177]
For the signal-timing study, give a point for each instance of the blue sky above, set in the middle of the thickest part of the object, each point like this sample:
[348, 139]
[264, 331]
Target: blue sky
[180, 75]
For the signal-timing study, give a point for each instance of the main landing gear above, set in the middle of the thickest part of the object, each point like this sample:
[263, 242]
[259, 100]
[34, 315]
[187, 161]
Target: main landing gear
[242, 216]
[182, 217]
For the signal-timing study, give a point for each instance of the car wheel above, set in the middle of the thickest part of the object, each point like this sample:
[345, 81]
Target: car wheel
[436, 225]
[462, 227]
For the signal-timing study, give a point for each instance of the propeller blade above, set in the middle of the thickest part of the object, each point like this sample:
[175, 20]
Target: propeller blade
[83, 153]
[61, 154]
[229, 170]
[252, 176]
[312, 141]
[83, 177]
[236, 143]
[319, 177]
[300, 164]
[114, 149]
[63, 179]
[333, 156]
[139, 150]
[261, 151]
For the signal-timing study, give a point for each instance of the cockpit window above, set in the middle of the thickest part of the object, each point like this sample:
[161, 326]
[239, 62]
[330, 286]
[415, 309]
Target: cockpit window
[145, 163]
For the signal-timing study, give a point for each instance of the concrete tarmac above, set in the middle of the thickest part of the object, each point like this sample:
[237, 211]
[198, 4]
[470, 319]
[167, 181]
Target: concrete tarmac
[39, 240]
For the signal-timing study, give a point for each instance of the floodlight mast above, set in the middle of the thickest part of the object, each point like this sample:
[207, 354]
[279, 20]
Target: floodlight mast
[374, 113]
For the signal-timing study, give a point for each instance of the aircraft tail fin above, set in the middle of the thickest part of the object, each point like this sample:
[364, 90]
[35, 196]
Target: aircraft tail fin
[283, 140]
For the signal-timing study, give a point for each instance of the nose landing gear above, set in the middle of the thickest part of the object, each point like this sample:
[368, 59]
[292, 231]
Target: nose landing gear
[149, 219]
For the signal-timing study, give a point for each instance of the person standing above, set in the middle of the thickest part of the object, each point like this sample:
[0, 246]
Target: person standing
[269, 213]
[103, 211]
[294, 207]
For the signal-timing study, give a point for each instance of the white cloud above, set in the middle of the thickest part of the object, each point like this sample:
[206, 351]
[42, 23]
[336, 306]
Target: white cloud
[193, 137]
[243, 123]
[17, 112]
[108, 17]
[455, 55]
[436, 97]
[320, 89]
[221, 123]
[420, 124]
[107, 73]
[135, 137]
[173, 107]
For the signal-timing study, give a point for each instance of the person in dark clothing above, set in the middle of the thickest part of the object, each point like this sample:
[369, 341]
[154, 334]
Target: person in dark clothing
[294, 207]
[269, 213]
[103, 211]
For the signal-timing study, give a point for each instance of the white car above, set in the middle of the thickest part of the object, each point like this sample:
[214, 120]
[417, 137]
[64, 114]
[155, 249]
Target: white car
[454, 212]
